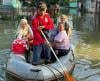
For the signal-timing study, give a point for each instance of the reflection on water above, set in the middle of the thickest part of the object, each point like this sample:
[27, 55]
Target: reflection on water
[86, 38]
[7, 32]
[87, 43]
[87, 22]
[89, 46]
[86, 70]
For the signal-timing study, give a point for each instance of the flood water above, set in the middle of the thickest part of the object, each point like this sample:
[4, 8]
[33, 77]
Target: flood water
[85, 38]
[87, 45]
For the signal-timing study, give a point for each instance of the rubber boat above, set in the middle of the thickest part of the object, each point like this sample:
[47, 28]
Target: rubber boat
[19, 70]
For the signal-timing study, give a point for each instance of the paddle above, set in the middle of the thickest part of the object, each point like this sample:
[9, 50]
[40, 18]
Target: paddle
[67, 76]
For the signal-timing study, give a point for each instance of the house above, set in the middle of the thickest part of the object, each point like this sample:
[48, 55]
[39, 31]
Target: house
[9, 8]
[91, 5]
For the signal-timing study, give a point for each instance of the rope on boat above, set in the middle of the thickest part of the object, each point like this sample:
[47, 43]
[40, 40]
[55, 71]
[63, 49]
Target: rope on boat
[37, 73]
[48, 66]
[73, 54]
[52, 72]
[55, 69]
[36, 77]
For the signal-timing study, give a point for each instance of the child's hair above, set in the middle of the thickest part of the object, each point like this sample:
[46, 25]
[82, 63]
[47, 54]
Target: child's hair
[63, 16]
[23, 20]
[66, 26]
[60, 23]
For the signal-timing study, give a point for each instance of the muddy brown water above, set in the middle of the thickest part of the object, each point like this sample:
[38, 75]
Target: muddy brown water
[85, 38]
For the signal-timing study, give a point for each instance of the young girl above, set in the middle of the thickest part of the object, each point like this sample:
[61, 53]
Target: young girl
[63, 19]
[24, 30]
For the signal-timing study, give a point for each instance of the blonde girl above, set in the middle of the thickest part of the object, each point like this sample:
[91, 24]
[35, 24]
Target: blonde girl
[64, 19]
[24, 30]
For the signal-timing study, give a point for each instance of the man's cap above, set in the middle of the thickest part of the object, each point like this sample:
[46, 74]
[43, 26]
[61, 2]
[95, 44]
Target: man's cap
[41, 5]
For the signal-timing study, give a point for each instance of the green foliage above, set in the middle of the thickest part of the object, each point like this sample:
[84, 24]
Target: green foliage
[49, 2]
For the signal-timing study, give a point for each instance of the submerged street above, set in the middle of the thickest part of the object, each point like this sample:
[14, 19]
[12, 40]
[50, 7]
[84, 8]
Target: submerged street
[85, 38]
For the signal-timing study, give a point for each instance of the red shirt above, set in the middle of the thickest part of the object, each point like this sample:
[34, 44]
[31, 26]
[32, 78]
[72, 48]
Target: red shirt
[46, 22]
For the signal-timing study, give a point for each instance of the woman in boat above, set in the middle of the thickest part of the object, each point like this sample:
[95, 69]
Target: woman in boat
[25, 32]
[61, 42]
[64, 19]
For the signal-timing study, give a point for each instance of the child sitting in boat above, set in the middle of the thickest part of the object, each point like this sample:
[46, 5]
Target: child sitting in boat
[64, 19]
[61, 42]
[19, 47]
[25, 32]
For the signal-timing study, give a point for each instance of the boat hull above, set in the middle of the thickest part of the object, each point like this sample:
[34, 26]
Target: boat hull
[19, 69]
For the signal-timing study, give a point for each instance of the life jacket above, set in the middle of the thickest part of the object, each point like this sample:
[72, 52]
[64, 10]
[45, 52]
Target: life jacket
[19, 46]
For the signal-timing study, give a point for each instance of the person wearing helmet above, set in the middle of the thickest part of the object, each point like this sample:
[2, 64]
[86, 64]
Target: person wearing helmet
[19, 47]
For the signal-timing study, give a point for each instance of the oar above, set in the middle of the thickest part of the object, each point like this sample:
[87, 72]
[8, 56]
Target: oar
[67, 76]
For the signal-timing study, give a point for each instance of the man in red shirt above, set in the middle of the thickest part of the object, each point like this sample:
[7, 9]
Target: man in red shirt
[41, 21]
